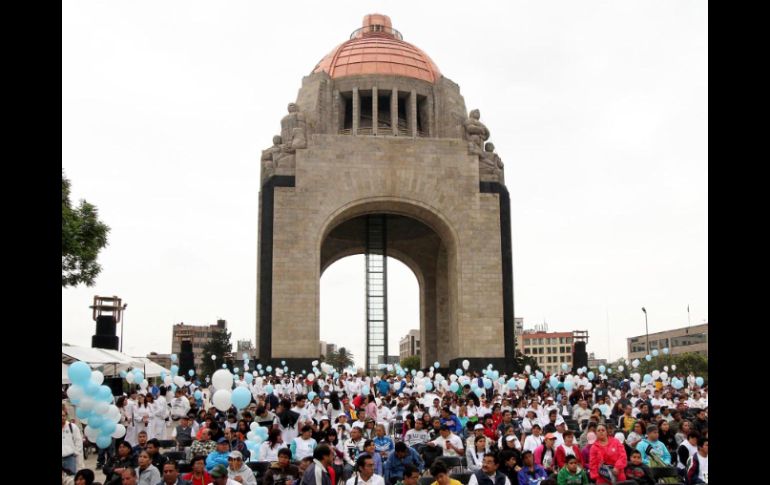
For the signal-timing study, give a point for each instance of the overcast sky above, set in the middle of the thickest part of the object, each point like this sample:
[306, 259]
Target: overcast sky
[598, 109]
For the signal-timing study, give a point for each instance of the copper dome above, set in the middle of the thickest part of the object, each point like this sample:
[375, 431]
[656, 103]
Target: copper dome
[377, 48]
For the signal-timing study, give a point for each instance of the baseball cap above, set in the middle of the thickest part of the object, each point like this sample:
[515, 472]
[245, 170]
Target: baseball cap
[218, 471]
[358, 424]
[222, 440]
[478, 426]
[550, 436]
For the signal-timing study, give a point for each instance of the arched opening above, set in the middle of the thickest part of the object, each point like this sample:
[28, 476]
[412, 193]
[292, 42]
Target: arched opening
[343, 307]
[419, 238]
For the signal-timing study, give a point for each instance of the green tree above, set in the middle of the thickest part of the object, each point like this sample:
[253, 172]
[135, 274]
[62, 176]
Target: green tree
[412, 362]
[340, 359]
[521, 361]
[83, 235]
[220, 346]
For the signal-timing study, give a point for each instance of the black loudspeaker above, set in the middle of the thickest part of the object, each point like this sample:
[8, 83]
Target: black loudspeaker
[186, 359]
[105, 337]
[579, 356]
[116, 384]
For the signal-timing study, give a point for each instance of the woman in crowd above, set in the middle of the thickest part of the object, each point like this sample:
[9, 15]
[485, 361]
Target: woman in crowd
[607, 458]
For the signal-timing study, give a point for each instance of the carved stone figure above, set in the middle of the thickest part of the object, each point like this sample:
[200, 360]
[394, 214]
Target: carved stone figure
[293, 130]
[490, 163]
[269, 157]
[476, 133]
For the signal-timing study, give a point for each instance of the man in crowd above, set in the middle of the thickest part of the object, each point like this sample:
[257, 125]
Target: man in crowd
[449, 442]
[488, 474]
[219, 456]
[401, 457]
[282, 472]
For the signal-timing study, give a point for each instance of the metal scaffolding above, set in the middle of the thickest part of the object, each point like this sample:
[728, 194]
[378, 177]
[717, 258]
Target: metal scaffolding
[376, 292]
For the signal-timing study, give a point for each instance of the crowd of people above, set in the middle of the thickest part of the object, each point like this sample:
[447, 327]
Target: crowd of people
[395, 429]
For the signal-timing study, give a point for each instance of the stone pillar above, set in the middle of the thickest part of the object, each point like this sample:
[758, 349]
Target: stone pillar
[394, 111]
[374, 110]
[431, 121]
[413, 113]
[338, 124]
[356, 111]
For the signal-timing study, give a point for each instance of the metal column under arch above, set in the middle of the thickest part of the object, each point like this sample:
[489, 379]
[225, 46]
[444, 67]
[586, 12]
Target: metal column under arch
[376, 292]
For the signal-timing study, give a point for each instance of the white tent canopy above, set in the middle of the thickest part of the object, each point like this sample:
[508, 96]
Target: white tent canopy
[109, 362]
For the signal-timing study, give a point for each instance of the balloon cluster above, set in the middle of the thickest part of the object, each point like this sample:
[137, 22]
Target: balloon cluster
[93, 404]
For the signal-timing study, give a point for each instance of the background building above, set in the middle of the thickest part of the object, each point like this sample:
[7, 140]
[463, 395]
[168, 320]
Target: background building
[326, 349]
[163, 360]
[390, 359]
[198, 335]
[550, 349]
[593, 362]
[409, 345]
[679, 341]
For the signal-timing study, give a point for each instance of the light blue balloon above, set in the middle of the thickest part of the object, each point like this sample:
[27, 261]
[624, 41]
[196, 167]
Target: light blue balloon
[647, 378]
[173, 387]
[602, 369]
[173, 357]
[568, 386]
[316, 371]
[190, 372]
[82, 413]
[564, 367]
[224, 366]
[428, 387]
[236, 370]
[414, 372]
[365, 390]
[501, 380]
[336, 375]
[261, 432]
[512, 384]
[261, 372]
[474, 385]
[104, 394]
[539, 375]
[174, 370]
[487, 384]
[648, 357]
[454, 387]
[311, 395]
[197, 395]
[259, 366]
[535, 383]
[459, 372]
[436, 364]
[655, 353]
[241, 397]
[495, 375]
[286, 368]
[103, 441]
[283, 362]
[138, 376]
[108, 427]
[269, 389]
[268, 368]
[609, 371]
[95, 420]
[591, 375]
[699, 381]
[245, 356]
[554, 382]
[248, 378]
[665, 350]
[162, 375]
[79, 373]
[91, 388]
[479, 391]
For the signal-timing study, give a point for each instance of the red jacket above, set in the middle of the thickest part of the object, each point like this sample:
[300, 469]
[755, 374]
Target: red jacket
[206, 478]
[561, 456]
[612, 454]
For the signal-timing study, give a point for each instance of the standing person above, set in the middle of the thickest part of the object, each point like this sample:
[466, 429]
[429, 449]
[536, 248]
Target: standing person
[131, 404]
[71, 443]
[317, 473]
[198, 475]
[287, 421]
[489, 474]
[282, 472]
[141, 415]
[608, 458]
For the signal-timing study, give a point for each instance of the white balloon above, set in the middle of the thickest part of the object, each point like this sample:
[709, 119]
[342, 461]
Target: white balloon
[621, 368]
[222, 399]
[588, 386]
[114, 413]
[421, 389]
[120, 431]
[75, 392]
[655, 374]
[168, 381]
[466, 364]
[91, 433]
[673, 367]
[521, 384]
[86, 403]
[315, 363]
[144, 384]
[528, 368]
[102, 408]
[452, 377]
[222, 379]
[311, 377]
[179, 381]
[130, 377]
[664, 375]
[213, 357]
[97, 377]
[665, 368]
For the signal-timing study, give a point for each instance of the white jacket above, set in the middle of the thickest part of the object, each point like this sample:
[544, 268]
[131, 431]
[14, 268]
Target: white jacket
[71, 440]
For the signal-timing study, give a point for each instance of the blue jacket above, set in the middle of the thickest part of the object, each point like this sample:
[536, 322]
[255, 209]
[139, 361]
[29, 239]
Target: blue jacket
[394, 466]
[384, 387]
[383, 444]
[657, 447]
[216, 458]
[454, 424]
[525, 478]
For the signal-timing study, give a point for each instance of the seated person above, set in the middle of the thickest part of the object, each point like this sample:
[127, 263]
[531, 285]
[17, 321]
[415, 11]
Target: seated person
[638, 471]
[571, 473]
[281, 472]
[531, 473]
[198, 475]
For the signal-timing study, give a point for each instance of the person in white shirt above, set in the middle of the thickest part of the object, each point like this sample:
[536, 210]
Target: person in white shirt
[354, 446]
[449, 442]
[417, 435]
[364, 472]
[435, 409]
[530, 421]
[534, 440]
[71, 443]
[489, 469]
[180, 406]
[698, 464]
[304, 444]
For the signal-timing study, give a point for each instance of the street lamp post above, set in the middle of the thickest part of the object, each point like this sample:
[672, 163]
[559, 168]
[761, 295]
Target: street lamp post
[646, 330]
[122, 324]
